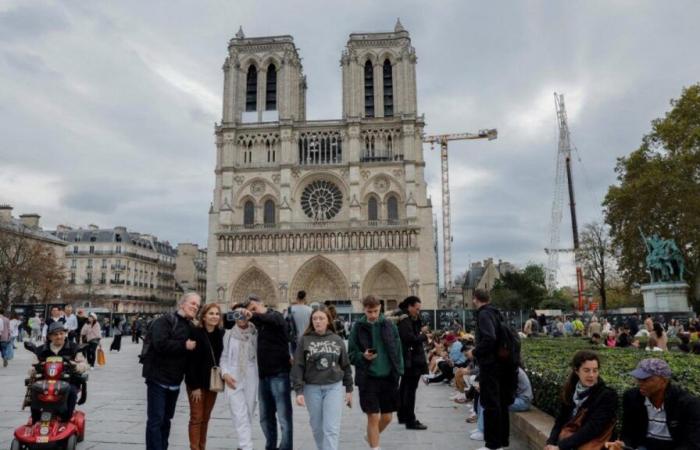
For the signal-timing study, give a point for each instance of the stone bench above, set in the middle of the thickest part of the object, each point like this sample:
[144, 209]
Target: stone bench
[532, 427]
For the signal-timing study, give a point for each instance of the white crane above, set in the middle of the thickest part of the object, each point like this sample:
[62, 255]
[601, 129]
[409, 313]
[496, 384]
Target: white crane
[442, 140]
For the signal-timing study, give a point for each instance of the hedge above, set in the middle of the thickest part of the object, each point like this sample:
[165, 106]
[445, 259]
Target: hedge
[546, 361]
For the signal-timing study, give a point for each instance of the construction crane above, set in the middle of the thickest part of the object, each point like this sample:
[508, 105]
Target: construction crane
[563, 178]
[442, 140]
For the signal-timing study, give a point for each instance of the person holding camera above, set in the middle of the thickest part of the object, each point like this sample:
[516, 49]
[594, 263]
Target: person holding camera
[321, 369]
[239, 368]
[375, 350]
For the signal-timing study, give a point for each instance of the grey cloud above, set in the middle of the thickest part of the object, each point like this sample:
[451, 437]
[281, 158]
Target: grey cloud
[31, 22]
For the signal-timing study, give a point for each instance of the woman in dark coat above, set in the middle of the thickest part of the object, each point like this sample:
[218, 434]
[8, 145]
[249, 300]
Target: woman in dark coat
[588, 410]
[209, 336]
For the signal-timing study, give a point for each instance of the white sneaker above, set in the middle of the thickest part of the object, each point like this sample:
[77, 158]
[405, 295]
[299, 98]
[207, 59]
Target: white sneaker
[477, 436]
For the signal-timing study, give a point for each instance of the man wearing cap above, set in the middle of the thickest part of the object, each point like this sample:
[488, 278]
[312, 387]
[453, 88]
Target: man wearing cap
[658, 414]
[58, 345]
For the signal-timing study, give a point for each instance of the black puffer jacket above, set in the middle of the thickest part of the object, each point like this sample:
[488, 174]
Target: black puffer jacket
[167, 361]
[412, 340]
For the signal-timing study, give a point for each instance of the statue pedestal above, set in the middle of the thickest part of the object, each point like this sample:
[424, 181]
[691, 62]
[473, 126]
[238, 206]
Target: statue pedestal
[665, 297]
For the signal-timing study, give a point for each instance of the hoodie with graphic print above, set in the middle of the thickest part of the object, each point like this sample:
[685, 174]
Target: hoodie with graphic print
[321, 359]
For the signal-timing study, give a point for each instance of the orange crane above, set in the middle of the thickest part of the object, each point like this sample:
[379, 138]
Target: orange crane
[442, 140]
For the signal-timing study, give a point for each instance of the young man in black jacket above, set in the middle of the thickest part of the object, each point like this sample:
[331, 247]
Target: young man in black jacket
[413, 335]
[164, 366]
[657, 414]
[274, 365]
[498, 379]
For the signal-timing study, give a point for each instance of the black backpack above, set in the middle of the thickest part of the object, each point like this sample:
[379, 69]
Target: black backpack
[508, 347]
[291, 329]
[146, 352]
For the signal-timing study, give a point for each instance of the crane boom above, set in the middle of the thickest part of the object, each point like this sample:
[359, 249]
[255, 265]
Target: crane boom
[442, 140]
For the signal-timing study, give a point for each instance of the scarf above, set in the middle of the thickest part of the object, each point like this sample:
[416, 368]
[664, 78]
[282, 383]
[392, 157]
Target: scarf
[247, 347]
[580, 395]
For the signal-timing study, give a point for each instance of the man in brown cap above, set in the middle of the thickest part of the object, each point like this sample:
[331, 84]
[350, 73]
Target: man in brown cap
[658, 414]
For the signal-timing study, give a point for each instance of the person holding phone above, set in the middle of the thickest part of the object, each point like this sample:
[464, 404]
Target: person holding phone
[321, 369]
[374, 348]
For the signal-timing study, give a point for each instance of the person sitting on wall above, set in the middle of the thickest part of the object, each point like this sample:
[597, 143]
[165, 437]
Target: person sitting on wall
[658, 414]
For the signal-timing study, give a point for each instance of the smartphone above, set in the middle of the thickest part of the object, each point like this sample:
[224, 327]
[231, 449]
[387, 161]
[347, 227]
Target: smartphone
[372, 351]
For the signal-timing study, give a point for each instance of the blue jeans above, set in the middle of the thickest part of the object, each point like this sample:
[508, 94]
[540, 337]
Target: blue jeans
[519, 405]
[325, 405]
[7, 349]
[275, 398]
[160, 411]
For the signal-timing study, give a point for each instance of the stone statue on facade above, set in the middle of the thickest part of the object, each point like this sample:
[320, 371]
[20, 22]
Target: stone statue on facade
[664, 260]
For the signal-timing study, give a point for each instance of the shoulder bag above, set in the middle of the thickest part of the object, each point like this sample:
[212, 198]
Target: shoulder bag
[216, 382]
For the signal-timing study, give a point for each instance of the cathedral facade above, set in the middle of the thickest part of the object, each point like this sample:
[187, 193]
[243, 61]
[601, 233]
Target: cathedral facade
[337, 208]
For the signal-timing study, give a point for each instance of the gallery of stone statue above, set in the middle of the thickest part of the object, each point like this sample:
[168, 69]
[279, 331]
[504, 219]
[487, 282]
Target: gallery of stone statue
[335, 207]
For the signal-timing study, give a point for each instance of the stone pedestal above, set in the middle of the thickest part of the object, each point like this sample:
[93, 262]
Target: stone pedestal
[665, 297]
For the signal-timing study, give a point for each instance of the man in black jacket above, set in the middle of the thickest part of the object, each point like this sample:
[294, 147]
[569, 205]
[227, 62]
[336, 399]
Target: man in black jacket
[498, 379]
[274, 365]
[657, 414]
[413, 335]
[164, 365]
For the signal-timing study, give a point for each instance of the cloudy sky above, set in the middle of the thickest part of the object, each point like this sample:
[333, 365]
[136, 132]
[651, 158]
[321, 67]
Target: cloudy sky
[107, 108]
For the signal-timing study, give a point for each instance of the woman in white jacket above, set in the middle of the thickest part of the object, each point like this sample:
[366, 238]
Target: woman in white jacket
[239, 368]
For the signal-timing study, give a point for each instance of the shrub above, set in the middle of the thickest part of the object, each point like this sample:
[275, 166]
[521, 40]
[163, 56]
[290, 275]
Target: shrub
[547, 360]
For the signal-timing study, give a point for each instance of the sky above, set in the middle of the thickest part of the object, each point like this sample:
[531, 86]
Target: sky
[107, 109]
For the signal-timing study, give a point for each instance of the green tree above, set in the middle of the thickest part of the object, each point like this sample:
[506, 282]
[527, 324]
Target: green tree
[520, 290]
[658, 190]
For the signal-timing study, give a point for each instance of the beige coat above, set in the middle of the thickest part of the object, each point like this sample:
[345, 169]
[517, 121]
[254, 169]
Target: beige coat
[91, 331]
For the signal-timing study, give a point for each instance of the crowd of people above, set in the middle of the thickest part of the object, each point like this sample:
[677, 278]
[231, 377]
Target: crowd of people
[257, 357]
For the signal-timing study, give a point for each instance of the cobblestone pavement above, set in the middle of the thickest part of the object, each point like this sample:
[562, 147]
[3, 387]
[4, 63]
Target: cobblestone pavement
[116, 414]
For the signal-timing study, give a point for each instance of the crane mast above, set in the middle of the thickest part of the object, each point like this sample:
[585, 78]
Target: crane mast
[442, 140]
[563, 177]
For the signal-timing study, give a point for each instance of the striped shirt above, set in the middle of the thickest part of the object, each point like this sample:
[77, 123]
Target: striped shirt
[657, 428]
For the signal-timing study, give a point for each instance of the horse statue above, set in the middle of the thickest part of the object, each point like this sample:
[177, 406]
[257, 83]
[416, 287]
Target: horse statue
[664, 259]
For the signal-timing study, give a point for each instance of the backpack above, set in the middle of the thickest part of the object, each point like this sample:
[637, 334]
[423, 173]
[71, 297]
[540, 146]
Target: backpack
[292, 335]
[146, 352]
[508, 347]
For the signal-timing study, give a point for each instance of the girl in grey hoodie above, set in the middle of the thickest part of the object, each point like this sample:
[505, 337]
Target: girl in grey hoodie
[321, 369]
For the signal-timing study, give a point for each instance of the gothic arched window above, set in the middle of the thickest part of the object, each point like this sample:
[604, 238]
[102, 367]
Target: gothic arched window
[369, 89]
[271, 89]
[392, 209]
[251, 89]
[372, 210]
[269, 213]
[248, 214]
[388, 90]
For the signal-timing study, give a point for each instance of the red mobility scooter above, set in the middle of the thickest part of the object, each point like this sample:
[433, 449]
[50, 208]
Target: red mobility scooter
[47, 392]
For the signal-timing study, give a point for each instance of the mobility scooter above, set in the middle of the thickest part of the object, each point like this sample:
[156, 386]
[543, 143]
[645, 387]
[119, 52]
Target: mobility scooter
[47, 392]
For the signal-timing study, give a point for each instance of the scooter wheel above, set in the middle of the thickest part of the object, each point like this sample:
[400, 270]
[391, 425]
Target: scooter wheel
[15, 445]
[71, 442]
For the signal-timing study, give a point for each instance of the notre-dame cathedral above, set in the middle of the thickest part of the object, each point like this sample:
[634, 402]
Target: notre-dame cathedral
[335, 207]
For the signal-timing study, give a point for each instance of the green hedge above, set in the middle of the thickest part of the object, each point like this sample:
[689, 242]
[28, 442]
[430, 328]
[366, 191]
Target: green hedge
[547, 360]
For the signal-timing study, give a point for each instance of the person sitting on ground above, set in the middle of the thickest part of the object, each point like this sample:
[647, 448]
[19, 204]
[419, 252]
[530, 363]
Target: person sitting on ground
[463, 376]
[588, 407]
[58, 345]
[611, 339]
[653, 345]
[624, 339]
[661, 336]
[595, 339]
[684, 346]
[658, 414]
[455, 358]
[696, 348]
[436, 355]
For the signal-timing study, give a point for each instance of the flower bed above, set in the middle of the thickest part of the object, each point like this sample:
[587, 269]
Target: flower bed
[547, 360]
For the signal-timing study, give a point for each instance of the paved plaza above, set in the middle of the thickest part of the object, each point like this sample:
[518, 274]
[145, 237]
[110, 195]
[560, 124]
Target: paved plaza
[116, 414]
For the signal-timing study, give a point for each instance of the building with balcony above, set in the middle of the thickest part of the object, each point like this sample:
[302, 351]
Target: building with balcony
[191, 269]
[337, 208]
[121, 270]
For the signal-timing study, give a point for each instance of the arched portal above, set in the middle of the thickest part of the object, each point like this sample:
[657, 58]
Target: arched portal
[387, 283]
[321, 279]
[254, 281]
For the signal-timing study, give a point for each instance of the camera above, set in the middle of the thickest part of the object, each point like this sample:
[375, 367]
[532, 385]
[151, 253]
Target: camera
[233, 316]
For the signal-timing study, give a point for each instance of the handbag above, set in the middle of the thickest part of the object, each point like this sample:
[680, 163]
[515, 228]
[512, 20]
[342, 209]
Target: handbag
[216, 381]
[101, 359]
[574, 425]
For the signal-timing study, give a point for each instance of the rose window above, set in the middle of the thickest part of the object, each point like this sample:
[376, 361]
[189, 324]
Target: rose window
[321, 200]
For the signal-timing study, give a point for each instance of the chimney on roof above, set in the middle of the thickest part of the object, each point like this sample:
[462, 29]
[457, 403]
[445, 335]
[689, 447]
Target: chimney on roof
[5, 213]
[63, 228]
[93, 227]
[30, 220]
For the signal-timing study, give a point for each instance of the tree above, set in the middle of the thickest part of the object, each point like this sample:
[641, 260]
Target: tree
[659, 190]
[520, 290]
[28, 269]
[596, 256]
